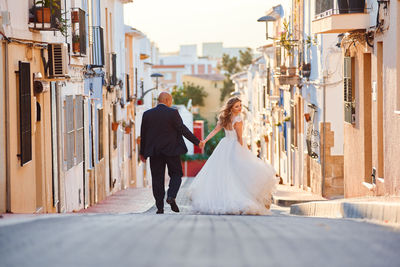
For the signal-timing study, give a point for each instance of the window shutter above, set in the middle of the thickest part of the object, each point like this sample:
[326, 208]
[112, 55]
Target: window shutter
[348, 93]
[128, 89]
[114, 69]
[70, 131]
[82, 31]
[79, 128]
[25, 133]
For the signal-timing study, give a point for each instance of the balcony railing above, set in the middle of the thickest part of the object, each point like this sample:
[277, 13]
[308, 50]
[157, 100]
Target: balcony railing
[324, 8]
[97, 60]
[340, 16]
[46, 17]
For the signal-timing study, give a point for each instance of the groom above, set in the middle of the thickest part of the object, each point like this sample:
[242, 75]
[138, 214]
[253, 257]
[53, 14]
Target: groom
[161, 140]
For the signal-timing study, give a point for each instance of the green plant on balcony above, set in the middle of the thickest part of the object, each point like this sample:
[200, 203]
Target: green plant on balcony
[46, 9]
[75, 43]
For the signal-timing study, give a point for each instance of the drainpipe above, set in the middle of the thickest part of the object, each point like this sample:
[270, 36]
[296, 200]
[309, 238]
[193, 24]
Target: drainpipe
[324, 78]
[7, 125]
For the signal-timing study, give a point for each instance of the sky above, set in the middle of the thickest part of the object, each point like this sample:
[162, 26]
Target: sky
[171, 23]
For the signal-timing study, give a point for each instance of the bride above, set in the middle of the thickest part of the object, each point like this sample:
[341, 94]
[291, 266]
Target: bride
[233, 180]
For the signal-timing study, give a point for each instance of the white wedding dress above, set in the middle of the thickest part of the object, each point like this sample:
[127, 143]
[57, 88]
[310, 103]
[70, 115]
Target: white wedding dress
[233, 180]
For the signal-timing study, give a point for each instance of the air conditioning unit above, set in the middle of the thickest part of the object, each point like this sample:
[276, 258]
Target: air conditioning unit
[58, 56]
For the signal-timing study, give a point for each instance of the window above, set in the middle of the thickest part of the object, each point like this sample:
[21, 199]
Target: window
[25, 133]
[127, 88]
[114, 115]
[74, 130]
[100, 134]
[79, 129]
[69, 145]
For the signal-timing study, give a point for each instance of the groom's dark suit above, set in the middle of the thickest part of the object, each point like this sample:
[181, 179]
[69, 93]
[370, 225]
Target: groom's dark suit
[161, 140]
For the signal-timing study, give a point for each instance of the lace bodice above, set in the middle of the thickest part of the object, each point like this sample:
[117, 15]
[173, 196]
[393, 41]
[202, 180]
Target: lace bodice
[232, 132]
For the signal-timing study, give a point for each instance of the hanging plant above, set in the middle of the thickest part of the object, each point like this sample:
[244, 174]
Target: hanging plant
[114, 126]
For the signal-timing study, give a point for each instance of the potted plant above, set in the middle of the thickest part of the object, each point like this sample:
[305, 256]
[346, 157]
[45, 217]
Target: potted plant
[45, 10]
[283, 69]
[75, 43]
[292, 71]
[307, 116]
[114, 126]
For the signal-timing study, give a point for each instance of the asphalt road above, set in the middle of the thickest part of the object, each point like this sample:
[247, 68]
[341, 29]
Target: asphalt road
[196, 240]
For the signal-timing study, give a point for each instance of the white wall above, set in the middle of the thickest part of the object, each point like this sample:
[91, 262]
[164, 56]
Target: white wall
[3, 190]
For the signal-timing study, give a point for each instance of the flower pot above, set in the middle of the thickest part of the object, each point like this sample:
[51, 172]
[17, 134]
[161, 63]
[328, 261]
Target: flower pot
[283, 69]
[356, 6]
[76, 47]
[43, 15]
[114, 126]
[307, 116]
[292, 71]
[74, 16]
[128, 130]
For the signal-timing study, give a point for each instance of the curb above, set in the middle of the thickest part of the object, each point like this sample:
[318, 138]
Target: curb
[383, 212]
[289, 202]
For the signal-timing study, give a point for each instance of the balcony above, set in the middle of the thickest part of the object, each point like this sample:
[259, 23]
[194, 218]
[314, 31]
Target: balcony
[339, 16]
[78, 25]
[46, 16]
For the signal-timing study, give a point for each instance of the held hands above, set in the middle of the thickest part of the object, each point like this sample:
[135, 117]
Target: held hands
[202, 144]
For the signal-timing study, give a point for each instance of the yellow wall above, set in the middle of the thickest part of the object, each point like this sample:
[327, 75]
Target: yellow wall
[31, 184]
[212, 105]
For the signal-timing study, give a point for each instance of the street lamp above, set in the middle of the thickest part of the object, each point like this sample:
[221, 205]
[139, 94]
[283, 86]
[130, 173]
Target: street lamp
[266, 19]
[154, 75]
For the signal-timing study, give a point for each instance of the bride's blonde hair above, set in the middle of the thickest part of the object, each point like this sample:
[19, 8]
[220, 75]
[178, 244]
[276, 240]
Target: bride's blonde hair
[225, 115]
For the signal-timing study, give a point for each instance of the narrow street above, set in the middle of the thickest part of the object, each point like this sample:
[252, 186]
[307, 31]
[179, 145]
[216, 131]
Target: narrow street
[187, 239]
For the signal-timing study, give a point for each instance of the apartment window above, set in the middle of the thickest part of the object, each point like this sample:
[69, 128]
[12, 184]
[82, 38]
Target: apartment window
[100, 134]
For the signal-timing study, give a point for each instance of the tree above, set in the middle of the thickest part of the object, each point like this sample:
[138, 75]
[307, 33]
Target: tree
[181, 95]
[246, 57]
[231, 65]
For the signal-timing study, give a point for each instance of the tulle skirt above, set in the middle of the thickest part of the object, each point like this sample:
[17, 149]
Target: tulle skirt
[233, 181]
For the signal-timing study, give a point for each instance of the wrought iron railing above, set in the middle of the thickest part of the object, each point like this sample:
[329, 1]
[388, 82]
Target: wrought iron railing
[46, 16]
[324, 8]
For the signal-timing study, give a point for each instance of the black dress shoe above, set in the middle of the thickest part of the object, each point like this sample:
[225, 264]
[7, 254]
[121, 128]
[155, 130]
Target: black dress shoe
[172, 202]
[160, 212]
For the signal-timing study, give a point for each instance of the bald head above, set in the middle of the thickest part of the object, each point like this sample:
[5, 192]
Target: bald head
[165, 98]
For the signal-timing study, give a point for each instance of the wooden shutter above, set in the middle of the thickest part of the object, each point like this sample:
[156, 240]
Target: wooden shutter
[25, 133]
[128, 89]
[114, 69]
[79, 128]
[82, 31]
[70, 131]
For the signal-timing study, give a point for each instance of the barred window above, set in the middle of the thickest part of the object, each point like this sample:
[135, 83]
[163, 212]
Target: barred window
[79, 128]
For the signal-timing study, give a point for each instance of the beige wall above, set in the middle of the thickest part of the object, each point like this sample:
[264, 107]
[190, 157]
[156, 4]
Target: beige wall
[384, 130]
[212, 104]
[30, 185]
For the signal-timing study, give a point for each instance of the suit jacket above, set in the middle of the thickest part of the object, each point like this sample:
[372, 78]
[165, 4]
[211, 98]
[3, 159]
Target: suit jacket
[161, 133]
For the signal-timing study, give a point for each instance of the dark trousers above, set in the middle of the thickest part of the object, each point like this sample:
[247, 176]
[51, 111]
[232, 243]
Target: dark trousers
[157, 167]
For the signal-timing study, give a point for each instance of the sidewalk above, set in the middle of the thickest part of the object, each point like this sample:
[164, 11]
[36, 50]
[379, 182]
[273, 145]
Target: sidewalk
[379, 209]
[288, 195]
[131, 200]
